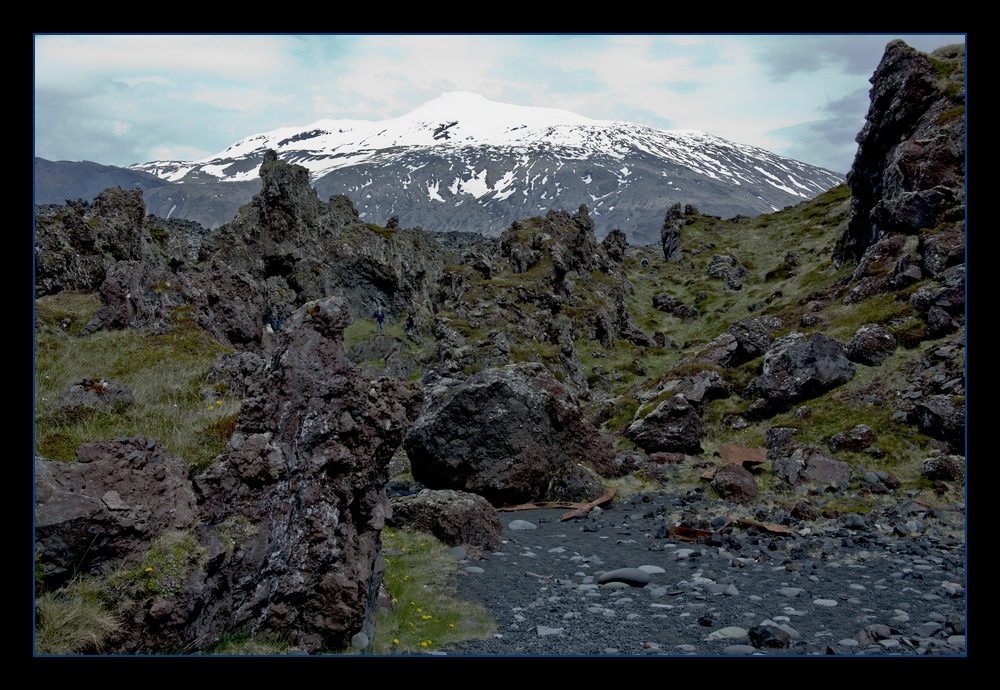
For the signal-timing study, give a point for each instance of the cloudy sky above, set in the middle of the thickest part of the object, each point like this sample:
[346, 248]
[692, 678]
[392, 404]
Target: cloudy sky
[124, 99]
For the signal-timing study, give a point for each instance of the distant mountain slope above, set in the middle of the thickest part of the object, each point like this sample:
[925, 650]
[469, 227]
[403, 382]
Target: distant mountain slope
[462, 162]
[55, 182]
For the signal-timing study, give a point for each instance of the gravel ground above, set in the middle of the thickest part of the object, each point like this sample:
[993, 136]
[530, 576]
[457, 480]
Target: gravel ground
[854, 585]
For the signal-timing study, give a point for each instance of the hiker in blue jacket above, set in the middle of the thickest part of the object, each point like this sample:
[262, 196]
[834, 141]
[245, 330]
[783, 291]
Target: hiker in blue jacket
[379, 318]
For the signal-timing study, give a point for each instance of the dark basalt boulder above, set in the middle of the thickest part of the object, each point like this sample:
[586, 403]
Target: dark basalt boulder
[666, 302]
[855, 439]
[943, 417]
[227, 303]
[948, 294]
[575, 484]
[502, 433]
[871, 276]
[673, 427]
[614, 245]
[728, 268]
[753, 336]
[944, 467]
[237, 372]
[670, 234]
[797, 368]
[872, 344]
[734, 483]
[777, 438]
[281, 534]
[623, 463]
[77, 243]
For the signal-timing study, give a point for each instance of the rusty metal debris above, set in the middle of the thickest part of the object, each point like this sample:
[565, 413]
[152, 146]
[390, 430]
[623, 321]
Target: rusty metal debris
[731, 454]
[688, 533]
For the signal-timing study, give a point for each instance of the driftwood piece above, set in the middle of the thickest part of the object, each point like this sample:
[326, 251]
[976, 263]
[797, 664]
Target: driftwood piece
[578, 508]
[769, 526]
[585, 508]
[540, 577]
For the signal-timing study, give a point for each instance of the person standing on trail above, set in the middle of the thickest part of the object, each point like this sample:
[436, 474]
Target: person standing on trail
[379, 318]
[409, 324]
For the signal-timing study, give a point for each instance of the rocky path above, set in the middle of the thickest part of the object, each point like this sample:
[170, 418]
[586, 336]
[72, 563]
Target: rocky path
[891, 585]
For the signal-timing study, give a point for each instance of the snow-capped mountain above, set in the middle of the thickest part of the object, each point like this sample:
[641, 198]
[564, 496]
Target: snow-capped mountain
[462, 162]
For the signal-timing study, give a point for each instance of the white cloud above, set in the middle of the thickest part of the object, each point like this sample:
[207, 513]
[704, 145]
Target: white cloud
[203, 92]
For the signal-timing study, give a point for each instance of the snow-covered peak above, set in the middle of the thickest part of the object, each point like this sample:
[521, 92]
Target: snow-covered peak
[462, 123]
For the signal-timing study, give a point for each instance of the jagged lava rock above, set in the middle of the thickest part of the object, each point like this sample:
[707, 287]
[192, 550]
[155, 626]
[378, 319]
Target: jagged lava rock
[76, 245]
[943, 417]
[855, 439]
[305, 474]
[909, 171]
[108, 506]
[575, 483]
[503, 433]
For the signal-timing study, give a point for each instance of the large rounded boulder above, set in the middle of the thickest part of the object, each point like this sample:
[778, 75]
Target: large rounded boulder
[798, 368]
[503, 434]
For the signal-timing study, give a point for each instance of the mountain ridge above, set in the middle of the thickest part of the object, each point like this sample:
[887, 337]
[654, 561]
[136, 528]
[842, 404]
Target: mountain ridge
[462, 162]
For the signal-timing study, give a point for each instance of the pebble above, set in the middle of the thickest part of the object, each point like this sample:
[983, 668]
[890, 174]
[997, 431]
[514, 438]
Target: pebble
[544, 630]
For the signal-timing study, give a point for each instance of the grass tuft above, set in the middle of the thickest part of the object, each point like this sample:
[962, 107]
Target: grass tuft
[427, 614]
[73, 621]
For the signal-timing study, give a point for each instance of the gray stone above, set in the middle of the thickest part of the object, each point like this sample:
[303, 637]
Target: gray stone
[811, 465]
[95, 392]
[634, 577]
[545, 631]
